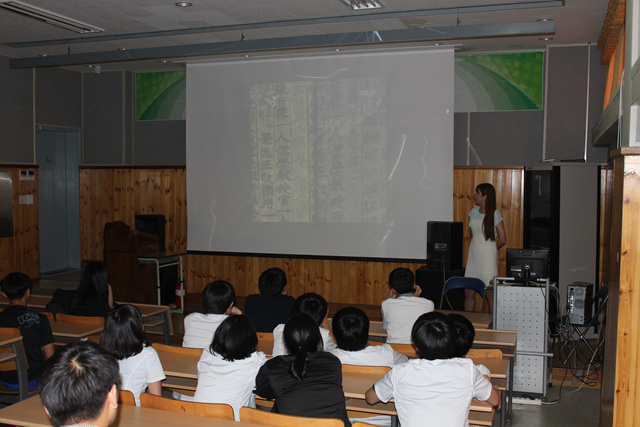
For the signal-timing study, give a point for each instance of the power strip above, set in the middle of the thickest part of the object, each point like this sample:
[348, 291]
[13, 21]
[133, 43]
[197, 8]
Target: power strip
[527, 400]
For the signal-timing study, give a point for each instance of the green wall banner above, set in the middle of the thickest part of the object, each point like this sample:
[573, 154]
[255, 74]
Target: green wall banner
[161, 95]
[499, 82]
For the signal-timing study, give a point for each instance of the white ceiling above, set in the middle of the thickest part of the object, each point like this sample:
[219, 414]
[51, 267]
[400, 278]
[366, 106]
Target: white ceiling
[577, 22]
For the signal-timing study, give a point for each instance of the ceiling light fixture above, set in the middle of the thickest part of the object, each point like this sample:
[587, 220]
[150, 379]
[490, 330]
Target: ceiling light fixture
[49, 17]
[184, 4]
[362, 4]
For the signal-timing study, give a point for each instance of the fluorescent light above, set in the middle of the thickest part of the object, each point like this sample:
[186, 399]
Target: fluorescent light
[49, 17]
[362, 4]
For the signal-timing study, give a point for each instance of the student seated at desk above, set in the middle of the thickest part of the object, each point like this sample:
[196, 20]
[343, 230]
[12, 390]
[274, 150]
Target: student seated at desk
[218, 299]
[307, 382]
[314, 306]
[228, 367]
[79, 386]
[272, 306]
[465, 333]
[34, 327]
[94, 296]
[140, 367]
[435, 388]
[403, 306]
[351, 331]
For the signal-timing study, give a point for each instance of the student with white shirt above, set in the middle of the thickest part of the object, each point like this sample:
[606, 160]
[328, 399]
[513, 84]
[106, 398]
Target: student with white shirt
[465, 334]
[218, 299]
[314, 306]
[351, 330]
[403, 306]
[436, 388]
[228, 367]
[140, 367]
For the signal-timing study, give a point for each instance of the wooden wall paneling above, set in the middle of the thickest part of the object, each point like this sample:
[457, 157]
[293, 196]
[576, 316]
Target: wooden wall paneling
[97, 206]
[628, 332]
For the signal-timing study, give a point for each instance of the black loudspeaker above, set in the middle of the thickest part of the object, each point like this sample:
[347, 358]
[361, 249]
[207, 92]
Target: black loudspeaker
[444, 245]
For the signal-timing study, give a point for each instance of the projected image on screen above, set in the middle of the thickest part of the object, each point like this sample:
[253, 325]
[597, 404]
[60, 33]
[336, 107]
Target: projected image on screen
[342, 155]
[317, 157]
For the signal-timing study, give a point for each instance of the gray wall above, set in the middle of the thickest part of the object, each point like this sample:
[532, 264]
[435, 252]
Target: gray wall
[516, 137]
[16, 114]
[103, 106]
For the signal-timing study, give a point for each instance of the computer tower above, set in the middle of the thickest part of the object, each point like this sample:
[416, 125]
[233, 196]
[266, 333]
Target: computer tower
[580, 302]
[444, 245]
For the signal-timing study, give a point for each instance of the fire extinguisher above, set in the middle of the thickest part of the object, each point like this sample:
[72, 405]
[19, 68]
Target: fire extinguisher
[181, 290]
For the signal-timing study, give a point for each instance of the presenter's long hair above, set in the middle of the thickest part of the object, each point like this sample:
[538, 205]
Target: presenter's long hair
[488, 226]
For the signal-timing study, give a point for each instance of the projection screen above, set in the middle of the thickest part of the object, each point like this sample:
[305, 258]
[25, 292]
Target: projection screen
[341, 155]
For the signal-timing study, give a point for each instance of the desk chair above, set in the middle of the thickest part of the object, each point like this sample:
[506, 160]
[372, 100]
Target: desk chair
[265, 342]
[213, 410]
[257, 416]
[600, 301]
[15, 359]
[87, 320]
[463, 283]
[125, 397]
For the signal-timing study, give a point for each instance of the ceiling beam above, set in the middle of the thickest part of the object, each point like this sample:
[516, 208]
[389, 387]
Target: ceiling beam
[311, 41]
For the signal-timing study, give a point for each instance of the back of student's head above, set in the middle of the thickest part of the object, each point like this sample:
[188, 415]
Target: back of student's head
[301, 337]
[76, 380]
[123, 333]
[351, 328]
[15, 285]
[218, 296]
[94, 287]
[313, 305]
[272, 281]
[401, 280]
[434, 336]
[465, 334]
[235, 338]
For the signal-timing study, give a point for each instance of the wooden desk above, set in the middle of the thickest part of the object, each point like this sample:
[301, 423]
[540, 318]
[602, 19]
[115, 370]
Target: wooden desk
[73, 330]
[31, 413]
[479, 321]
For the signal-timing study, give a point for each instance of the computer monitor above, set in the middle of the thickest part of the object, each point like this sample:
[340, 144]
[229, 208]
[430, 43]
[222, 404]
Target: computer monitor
[528, 263]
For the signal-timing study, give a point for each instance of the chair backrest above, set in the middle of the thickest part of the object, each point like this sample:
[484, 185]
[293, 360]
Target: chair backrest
[177, 350]
[87, 320]
[49, 315]
[213, 410]
[485, 353]
[9, 365]
[377, 370]
[265, 342]
[463, 283]
[125, 397]
[407, 349]
[258, 416]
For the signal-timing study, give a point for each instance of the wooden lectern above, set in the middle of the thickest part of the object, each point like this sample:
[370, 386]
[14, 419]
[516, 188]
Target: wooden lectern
[130, 280]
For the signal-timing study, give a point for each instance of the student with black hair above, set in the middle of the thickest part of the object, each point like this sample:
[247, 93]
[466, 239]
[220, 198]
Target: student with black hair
[436, 387]
[218, 299]
[306, 382]
[140, 367]
[403, 306]
[351, 331]
[79, 385]
[314, 306]
[228, 367]
[94, 296]
[272, 305]
[34, 328]
[465, 334]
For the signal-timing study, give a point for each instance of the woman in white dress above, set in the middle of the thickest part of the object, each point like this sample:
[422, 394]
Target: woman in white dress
[487, 236]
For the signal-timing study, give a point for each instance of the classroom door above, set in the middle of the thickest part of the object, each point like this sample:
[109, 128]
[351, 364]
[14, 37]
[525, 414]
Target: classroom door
[58, 198]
